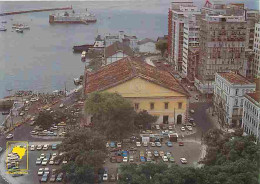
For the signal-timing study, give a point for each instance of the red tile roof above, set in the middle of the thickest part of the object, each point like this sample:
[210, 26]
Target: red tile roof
[234, 78]
[255, 96]
[127, 69]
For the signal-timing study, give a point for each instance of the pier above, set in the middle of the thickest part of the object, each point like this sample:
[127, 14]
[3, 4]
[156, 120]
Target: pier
[35, 10]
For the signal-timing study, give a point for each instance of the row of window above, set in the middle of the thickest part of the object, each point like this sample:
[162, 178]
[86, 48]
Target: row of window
[251, 108]
[152, 105]
[250, 119]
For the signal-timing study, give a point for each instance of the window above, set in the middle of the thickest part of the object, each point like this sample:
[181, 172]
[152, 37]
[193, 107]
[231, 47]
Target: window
[237, 90]
[136, 106]
[151, 106]
[242, 101]
[180, 105]
[236, 102]
[166, 105]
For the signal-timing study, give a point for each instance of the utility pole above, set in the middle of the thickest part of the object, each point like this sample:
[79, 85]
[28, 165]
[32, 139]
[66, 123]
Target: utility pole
[65, 88]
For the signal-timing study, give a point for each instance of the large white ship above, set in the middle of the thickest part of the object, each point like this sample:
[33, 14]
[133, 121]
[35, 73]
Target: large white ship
[72, 18]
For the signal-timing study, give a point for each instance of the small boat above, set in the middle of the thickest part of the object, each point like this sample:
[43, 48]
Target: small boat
[4, 21]
[83, 56]
[19, 30]
[5, 113]
[24, 27]
[3, 29]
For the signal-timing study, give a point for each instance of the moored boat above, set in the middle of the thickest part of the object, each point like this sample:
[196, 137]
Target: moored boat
[3, 29]
[19, 30]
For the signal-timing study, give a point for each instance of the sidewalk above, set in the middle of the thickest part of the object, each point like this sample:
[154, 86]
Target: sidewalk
[214, 120]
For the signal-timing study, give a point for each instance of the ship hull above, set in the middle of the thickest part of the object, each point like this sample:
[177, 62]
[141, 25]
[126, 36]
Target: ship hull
[72, 22]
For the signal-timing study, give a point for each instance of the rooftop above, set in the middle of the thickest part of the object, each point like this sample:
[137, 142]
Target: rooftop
[234, 78]
[255, 96]
[144, 41]
[126, 69]
[118, 46]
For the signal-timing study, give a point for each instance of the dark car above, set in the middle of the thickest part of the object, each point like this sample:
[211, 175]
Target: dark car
[59, 177]
[119, 159]
[57, 162]
[45, 178]
[113, 159]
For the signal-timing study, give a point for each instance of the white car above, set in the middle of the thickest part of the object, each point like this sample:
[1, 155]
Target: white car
[152, 144]
[119, 145]
[32, 148]
[192, 111]
[107, 145]
[45, 147]
[183, 160]
[40, 171]
[42, 156]
[158, 144]
[9, 136]
[138, 144]
[61, 105]
[131, 158]
[170, 127]
[34, 132]
[105, 177]
[54, 154]
[125, 159]
[64, 162]
[46, 170]
[52, 160]
[157, 127]
[45, 161]
[189, 128]
[145, 144]
[182, 128]
[165, 159]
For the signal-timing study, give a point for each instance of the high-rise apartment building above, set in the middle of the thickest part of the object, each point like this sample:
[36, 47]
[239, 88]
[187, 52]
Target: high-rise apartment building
[256, 63]
[179, 11]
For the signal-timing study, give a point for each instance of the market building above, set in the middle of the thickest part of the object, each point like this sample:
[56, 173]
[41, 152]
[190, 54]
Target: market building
[147, 87]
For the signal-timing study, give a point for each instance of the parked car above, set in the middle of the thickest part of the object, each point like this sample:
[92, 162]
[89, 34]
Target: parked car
[105, 177]
[183, 160]
[44, 161]
[9, 136]
[169, 144]
[156, 154]
[145, 144]
[182, 128]
[46, 170]
[142, 159]
[181, 144]
[171, 159]
[192, 111]
[113, 159]
[119, 159]
[39, 147]
[170, 127]
[112, 144]
[158, 144]
[125, 159]
[161, 153]
[45, 178]
[54, 146]
[165, 159]
[42, 156]
[40, 171]
[189, 128]
[34, 132]
[112, 178]
[131, 158]
[53, 178]
[148, 159]
[59, 177]
[61, 105]
[141, 153]
[57, 162]
[152, 144]
[32, 148]
[38, 161]
[138, 144]
[157, 127]
[45, 147]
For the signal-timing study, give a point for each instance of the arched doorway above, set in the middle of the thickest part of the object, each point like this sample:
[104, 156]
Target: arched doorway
[179, 119]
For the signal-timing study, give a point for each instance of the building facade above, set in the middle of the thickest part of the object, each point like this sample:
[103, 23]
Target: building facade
[256, 63]
[222, 44]
[190, 42]
[147, 46]
[251, 114]
[148, 88]
[229, 91]
[178, 12]
[130, 41]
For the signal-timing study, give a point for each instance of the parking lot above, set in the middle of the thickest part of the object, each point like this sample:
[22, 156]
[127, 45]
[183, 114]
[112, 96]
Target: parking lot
[140, 152]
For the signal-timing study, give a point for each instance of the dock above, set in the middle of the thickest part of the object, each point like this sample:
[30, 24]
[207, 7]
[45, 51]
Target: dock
[35, 10]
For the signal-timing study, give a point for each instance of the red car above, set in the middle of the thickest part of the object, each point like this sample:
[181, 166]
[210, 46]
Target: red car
[119, 159]
[181, 144]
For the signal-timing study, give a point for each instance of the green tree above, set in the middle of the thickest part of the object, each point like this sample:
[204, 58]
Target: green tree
[144, 119]
[162, 46]
[78, 174]
[44, 120]
[112, 114]
[84, 147]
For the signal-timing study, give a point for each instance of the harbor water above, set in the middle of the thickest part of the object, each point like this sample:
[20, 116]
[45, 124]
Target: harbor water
[41, 59]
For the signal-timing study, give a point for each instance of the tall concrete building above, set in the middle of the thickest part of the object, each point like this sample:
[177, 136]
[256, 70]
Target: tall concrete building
[222, 42]
[179, 11]
[190, 41]
[256, 63]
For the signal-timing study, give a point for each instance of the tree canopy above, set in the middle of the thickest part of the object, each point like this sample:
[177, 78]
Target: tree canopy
[44, 120]
[113, 115]
[162, 46]
[84, 147]
[144, 119]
